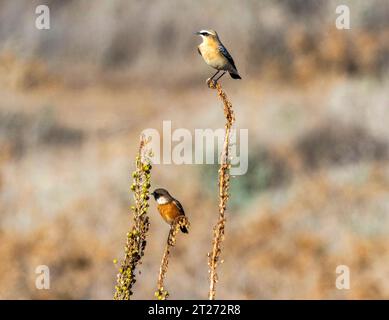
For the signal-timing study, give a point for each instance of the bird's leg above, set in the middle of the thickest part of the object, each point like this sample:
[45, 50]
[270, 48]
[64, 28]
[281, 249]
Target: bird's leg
[220, 76]
[210, 80]
[214, 75]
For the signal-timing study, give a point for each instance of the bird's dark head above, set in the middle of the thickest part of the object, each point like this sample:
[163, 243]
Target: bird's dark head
[161, 196]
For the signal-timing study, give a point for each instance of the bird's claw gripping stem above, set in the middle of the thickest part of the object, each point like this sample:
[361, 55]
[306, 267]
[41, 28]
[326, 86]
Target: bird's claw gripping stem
[211, 83]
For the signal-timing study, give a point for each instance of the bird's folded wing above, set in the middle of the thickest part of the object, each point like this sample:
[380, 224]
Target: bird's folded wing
[225, 53]
[179, 206]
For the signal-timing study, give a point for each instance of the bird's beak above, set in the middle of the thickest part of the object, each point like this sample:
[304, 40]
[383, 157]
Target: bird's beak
[197, 33]
[153, 193]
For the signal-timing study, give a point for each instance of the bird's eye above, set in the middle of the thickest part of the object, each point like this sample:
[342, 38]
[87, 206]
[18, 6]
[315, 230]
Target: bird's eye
[204, 34]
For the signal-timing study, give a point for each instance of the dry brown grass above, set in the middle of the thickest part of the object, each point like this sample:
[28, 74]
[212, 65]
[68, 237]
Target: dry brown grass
[224, 185]
[162, 293]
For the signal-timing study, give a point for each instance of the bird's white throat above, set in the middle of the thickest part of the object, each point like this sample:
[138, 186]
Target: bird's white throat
[162, 200]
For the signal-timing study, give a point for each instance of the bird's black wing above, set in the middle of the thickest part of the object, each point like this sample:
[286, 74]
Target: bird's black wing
[179, 206]
[225, 53]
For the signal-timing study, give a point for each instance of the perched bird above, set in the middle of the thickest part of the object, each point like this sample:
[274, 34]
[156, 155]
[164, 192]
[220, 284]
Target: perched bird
[169, 208]
[216, 55]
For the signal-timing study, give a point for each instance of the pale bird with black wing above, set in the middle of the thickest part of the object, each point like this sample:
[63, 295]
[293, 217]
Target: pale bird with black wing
[216, 55]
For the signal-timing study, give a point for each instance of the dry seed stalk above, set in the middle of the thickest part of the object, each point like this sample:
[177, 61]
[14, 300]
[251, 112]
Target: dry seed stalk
[161, 293]
[224, 185]
[136, 237]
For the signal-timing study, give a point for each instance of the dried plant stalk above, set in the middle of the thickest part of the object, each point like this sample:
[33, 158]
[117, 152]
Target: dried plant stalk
[224, 185]
[136, 237]
[161, 293]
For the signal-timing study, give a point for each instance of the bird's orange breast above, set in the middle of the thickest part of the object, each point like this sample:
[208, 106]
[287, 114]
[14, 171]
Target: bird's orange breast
[169, 211]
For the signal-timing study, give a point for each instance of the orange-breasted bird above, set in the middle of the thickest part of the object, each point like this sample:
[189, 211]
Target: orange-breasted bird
[168, 207]
[216, 55]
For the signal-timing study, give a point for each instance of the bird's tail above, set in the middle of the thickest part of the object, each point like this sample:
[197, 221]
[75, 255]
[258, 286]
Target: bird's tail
[235, 76]
[184, 229]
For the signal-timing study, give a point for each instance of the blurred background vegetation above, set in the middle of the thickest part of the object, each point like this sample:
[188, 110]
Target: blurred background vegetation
[73, 100]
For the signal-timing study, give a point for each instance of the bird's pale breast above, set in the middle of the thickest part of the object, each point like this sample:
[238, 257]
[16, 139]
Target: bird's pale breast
[213, 57]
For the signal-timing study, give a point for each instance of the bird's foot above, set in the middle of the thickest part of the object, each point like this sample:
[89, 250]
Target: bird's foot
[211, 83]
